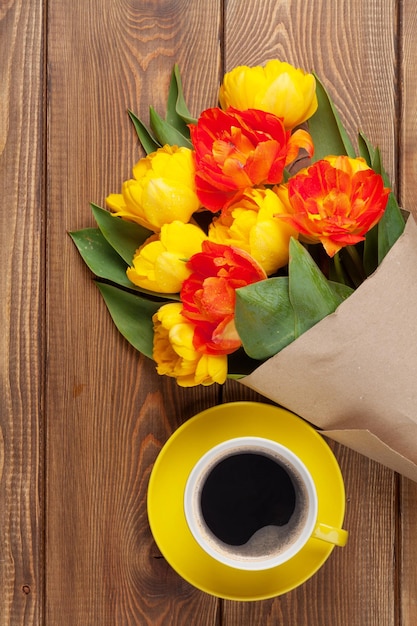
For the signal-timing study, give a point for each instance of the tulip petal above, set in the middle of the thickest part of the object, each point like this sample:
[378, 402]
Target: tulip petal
[238, 149]
[175, 354]
[278, 88]
[208, 295]
[336, 201]
[163, 189]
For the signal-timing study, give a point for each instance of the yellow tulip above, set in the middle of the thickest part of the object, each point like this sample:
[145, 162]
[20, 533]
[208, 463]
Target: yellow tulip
[277, 87]
[174, 353]
[250, 224]
[162, 190]
[160, 263]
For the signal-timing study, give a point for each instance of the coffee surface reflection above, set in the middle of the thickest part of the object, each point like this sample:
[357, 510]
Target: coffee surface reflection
[245, 493]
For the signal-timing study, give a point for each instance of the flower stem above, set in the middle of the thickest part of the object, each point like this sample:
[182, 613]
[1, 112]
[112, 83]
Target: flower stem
[359, 274]
[338, 269]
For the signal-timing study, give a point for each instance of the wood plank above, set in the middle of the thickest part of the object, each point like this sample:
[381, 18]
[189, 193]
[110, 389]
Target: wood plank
[21, 310]
[408, 553]
[408, 168]
[407, 87]
[108, 411]
[352, 48]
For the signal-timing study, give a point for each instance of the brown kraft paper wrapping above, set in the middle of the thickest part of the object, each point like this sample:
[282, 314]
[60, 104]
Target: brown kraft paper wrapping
[354, 374]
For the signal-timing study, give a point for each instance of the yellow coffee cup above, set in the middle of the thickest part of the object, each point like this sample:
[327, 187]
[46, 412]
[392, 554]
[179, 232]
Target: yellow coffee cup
[251, 504]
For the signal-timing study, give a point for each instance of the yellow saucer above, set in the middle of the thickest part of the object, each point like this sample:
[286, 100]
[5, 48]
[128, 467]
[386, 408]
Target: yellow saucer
[166, 495]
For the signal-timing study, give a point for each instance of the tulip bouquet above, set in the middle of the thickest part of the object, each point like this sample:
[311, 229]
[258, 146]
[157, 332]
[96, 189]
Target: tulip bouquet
[241, 230]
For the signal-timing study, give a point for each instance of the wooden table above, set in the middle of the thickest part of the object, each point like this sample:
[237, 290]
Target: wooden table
[82, 415]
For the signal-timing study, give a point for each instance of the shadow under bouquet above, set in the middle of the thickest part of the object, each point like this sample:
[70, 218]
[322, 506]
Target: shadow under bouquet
[257, 243]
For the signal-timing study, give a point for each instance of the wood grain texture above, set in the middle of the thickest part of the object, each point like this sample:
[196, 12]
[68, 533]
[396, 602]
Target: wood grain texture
[82, 415]
[21, 310]
[408, 117]
[109, 412]
[408, 555]
[408, 173]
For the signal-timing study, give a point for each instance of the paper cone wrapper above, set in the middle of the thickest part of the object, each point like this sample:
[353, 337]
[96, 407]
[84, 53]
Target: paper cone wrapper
[354, 374]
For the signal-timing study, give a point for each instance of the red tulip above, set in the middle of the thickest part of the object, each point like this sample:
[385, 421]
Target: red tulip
[208, 295]
[238, 149]
[336, 201]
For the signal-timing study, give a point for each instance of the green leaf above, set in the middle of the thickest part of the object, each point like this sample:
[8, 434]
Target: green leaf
[264, 317]
[132, 315]
[310, 293]
[125, 237]
[181, 106]
[272, 313]
[366, 149]
[100, 257]
[370, 251]
[329, 135]
[173, 117]
[377, 166]
[165, 133]
[173, 130]
[148, 141]
[340, 290]
[390, 227]
[380, 239]
[392, 223]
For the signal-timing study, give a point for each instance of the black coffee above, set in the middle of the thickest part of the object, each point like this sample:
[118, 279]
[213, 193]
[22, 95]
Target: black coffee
[244, 493]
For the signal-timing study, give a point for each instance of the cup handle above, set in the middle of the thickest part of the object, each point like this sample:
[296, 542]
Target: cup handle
[337, 536]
